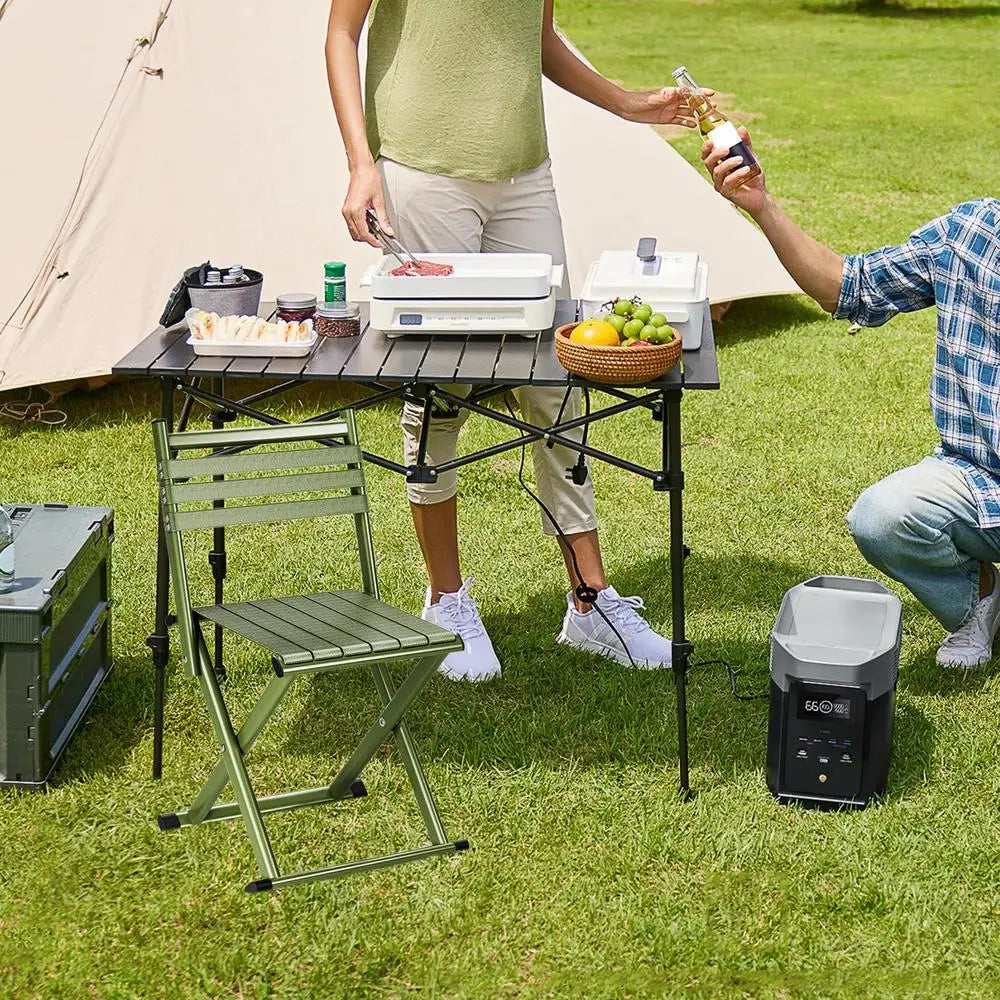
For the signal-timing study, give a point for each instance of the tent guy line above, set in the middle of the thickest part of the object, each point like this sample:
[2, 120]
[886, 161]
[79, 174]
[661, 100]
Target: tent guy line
[51, 258]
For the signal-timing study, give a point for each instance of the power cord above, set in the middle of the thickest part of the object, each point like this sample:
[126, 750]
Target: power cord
[733, 679]
[586, 593]
[583, 593]
[578, 473]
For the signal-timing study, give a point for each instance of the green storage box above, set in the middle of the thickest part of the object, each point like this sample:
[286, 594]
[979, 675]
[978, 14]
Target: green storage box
[55, 634]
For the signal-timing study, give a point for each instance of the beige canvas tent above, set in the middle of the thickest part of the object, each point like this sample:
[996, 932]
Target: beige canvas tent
[143, 136]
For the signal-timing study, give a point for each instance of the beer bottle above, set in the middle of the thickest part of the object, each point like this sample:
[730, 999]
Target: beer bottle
[714, 125]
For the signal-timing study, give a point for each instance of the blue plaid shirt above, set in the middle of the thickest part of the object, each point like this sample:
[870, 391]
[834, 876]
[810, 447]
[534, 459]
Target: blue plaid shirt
[952, 263]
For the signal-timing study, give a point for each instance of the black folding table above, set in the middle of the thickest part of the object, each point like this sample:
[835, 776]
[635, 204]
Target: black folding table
[423, 369]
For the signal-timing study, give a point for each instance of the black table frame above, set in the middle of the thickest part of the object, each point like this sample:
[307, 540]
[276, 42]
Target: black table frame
[164, 355]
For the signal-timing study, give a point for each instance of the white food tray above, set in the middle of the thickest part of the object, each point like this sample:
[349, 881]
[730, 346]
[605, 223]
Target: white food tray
[476, 276]
[253, 348]
[218, 348]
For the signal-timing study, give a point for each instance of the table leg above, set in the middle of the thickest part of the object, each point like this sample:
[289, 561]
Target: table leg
[217, 557]
[681, 648]
[159, 641]
[186, 407]
[425, 428]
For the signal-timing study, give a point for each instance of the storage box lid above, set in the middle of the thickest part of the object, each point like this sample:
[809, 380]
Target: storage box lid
[48, 539]
[654, 275]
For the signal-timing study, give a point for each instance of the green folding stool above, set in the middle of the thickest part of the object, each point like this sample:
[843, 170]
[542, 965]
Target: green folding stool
[226, 478]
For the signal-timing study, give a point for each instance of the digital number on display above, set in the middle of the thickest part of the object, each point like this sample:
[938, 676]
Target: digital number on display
[828, 708]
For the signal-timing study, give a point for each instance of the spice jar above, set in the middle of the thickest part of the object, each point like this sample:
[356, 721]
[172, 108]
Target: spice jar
[296, 307]
[335, 282]
[338, 321]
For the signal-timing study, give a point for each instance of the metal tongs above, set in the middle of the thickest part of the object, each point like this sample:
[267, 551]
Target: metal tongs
[392, 245]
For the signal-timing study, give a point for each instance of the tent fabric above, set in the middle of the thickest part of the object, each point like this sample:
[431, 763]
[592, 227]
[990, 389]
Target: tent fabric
[153, 135]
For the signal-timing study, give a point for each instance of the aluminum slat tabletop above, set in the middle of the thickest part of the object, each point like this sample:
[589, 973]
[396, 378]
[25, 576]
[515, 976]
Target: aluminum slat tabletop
[478, 359]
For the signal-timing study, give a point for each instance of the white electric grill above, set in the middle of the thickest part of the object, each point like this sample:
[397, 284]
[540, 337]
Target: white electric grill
[487, 293]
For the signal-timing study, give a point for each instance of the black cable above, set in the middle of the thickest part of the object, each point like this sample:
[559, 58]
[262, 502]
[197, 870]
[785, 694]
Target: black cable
[588, 594]
[733, 675]
[581, 463]
[583, 592]
[578, 472]
[559, 415]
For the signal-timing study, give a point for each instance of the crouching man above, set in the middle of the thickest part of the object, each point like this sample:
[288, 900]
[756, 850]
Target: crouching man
[934, 527]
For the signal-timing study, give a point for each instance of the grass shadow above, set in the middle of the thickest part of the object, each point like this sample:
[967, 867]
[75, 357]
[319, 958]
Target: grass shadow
[564, 708]
[763, 318]
[913, 741]
[924, 677]
[738, 580]
[555, 705]
[117, 721]
[875, 9]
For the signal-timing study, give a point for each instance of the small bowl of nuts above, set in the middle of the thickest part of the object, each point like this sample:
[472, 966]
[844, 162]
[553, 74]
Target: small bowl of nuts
[340, 320]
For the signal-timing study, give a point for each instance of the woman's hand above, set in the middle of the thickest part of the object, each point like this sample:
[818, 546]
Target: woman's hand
[365, 191]
[728, 172]
[668, 106]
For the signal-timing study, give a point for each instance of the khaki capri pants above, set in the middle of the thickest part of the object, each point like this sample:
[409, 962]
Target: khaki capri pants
[435, 214]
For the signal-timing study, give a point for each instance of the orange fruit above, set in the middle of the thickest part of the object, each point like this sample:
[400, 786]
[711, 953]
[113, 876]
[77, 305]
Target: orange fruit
[595, 331]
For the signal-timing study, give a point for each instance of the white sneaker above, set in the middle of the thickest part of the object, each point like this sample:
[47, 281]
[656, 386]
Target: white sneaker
[972, 644]
[458, 613]
[624, 636]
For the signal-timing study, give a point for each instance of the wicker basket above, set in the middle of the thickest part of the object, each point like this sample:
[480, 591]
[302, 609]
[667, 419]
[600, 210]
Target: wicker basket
[616, 365]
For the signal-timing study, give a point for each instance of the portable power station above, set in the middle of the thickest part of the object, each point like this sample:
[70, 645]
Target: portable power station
[834, 666]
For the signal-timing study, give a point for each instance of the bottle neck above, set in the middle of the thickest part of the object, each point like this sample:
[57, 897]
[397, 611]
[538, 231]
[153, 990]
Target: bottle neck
[704, 110]
[683, 79]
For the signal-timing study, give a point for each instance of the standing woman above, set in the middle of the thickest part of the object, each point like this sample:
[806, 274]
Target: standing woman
[449, 150]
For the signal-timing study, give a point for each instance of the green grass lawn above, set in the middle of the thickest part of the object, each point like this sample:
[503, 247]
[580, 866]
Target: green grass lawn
[589, 877]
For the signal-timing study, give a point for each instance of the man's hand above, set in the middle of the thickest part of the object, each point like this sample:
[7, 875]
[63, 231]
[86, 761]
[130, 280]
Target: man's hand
[668, 106]
[729, 171]
[365, 191]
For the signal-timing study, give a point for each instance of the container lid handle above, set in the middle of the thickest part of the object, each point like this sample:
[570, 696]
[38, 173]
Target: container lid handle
[646, 248]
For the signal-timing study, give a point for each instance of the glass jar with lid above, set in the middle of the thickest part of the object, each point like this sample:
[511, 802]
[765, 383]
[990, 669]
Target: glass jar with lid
[296, 307]
[341, 320]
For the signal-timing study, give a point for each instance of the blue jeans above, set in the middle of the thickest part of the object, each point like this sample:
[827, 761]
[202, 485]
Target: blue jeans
[920, 527]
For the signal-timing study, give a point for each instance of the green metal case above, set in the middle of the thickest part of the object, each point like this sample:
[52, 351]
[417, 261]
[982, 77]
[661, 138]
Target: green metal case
[55, 634]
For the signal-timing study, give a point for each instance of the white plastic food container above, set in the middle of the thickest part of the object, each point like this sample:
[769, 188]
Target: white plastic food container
[673, 283]
[217, 348]
[252, 349]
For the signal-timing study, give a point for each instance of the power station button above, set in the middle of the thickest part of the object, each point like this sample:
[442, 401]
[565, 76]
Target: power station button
[822, 778]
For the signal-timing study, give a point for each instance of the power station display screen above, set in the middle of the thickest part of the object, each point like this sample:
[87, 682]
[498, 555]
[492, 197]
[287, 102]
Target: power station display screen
[818, 706]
